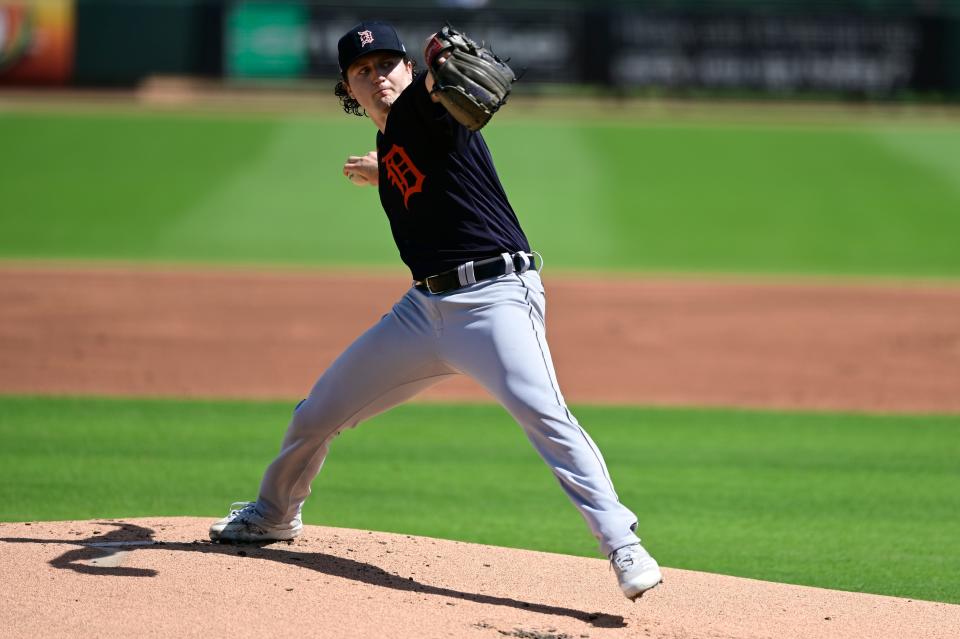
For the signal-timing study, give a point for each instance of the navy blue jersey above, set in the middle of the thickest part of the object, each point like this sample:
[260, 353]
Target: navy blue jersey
[440, 189]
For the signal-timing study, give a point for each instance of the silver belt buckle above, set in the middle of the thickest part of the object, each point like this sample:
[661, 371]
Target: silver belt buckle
[429, 282]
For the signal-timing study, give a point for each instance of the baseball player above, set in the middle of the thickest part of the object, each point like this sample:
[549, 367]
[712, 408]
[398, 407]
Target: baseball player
[476, 305]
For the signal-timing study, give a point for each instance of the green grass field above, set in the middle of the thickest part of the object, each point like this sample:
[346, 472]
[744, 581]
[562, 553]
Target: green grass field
[853, 198]
[865, 503]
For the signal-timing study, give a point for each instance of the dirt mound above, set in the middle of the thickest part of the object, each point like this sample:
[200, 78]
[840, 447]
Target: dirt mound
[162, 578]
[250, 334]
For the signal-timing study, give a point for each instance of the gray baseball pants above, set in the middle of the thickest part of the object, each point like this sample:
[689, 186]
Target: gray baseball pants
[493, 331]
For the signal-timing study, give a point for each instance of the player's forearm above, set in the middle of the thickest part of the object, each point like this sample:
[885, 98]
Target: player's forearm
[428, 83]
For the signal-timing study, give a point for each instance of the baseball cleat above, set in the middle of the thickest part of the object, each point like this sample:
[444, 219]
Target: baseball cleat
[636, 570]
[245, 525]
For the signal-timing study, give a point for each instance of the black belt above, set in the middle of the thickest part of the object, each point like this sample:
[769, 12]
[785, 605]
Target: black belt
[476, 271]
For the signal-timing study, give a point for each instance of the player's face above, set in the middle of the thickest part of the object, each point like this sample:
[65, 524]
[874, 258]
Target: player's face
[377, 79]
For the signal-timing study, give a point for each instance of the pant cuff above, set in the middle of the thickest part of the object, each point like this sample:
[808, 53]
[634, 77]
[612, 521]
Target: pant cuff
[609, 546]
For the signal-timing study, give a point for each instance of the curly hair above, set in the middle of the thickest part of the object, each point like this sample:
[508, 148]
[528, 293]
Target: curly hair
[350, 105]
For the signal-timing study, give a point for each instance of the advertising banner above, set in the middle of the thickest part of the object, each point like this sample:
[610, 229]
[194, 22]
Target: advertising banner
[824, 53]
[770, 53]
[36, 41]
[266, 40]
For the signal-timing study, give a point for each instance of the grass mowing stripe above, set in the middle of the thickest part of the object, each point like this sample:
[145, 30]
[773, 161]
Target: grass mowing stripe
[851, 199]
[864, 503]
[703, 199]
[76, 186]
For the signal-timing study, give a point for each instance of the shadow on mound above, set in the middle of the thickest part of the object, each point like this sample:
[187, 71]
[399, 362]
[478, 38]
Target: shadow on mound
[129, 537]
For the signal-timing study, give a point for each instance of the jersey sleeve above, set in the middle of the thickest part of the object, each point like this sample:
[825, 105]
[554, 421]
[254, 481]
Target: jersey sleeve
[426, 107]
[437, 119]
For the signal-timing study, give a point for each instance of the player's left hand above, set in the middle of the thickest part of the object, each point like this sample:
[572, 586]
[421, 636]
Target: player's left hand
[469, 80]
[362, 170]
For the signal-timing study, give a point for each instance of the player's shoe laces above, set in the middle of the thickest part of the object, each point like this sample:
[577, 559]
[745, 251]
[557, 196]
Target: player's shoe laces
[636, 570]
[244, 525]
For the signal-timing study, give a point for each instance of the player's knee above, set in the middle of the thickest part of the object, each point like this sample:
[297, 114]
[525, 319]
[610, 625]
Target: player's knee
[313, 419]
[550, 415]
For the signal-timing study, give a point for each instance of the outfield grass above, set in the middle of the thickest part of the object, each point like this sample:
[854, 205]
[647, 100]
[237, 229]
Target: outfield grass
[865, 503]
[850, 198]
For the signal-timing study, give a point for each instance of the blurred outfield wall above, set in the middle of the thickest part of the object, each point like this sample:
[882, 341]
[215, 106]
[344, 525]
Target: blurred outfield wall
[880, 49]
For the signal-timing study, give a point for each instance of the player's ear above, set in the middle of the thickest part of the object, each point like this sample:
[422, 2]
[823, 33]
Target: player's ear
[346, 85]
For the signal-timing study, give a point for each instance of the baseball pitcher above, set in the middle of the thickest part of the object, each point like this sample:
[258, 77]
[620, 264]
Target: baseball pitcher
[475, 307]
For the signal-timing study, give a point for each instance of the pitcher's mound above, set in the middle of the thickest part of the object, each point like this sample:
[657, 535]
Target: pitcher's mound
[162, 577]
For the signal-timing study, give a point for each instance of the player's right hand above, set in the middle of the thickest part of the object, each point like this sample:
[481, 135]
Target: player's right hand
[362, 170]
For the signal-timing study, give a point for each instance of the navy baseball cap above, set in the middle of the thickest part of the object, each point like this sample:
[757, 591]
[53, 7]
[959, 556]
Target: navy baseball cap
[365, 38]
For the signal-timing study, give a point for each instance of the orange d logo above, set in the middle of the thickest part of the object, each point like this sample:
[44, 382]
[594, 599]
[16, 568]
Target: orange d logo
[403, 173]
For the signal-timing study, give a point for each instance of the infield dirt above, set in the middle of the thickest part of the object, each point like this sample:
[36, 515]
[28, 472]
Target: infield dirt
[669, 341]
[163, 578]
